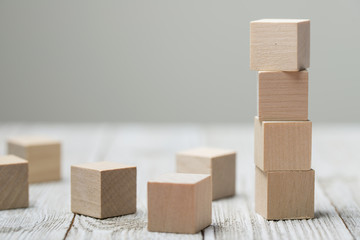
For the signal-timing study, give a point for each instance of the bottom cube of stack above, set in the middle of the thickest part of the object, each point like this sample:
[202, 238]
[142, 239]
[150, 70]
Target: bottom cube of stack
[284, 194]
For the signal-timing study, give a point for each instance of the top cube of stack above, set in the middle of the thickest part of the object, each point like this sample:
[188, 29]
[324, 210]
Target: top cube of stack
[280, 44]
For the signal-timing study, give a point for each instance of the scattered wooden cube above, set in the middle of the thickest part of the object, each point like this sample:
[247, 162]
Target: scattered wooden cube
[217, 162]
[284, 194]
[179, 203]
[283, 95]
[103, 189]
[282, 145]
[43, 155]
[280, 44]
[14, 186]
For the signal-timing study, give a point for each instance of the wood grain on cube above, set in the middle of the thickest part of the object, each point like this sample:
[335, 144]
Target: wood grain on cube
[283, 95]
[103, 189]
[14, 186]
[284, 194]
[283, 145]
[280, 44]
[179, 203]
[219, 163]
[43, 155]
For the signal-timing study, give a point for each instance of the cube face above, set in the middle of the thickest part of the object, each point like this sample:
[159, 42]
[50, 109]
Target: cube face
[280, 44]
[43, 155]
[217, 162]
[283, 95]
[118, 192]
[223, 176]
[283, 145]
[285, 194]
[14, 191]
[103, 189]
[86, 192]
[179, 203]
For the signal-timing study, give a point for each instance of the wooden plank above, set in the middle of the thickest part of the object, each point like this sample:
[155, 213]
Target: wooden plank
[336, 162]
[48, 215]
[345, 198]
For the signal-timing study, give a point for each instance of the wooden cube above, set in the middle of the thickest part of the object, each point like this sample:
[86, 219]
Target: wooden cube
[280, 44]
[14, 186]
[179, 203]
[282, 145]
[103, 189]
[43, 155]
[217, 162]
[284, 194]
[283, 95]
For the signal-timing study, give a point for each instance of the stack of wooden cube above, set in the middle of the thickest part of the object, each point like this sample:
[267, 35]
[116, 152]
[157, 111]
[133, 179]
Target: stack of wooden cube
[284, 184]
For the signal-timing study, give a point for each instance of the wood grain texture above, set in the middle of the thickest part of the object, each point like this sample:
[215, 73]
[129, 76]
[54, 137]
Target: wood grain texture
[283, 145]
[43, 155]
[283, 195]
[279, 44]
[335, 158]
[179, 203]
[345, 197]
[103, 189]
[219, 163]
[14, 185]
[283, 95]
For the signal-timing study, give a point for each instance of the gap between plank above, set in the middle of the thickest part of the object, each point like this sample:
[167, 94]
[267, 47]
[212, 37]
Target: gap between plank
[336, 210]
[70, 226]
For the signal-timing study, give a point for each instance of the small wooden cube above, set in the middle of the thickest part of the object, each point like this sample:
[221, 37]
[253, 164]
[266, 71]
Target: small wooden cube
[219, 163]
[283, 95]
[14, 186]
[43, 155]
[280, 44]
[283, 145]
[179, 203]
[103, 189]
[284, 194]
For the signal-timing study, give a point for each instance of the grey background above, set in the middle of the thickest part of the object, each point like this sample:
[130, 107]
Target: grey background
[163, 60]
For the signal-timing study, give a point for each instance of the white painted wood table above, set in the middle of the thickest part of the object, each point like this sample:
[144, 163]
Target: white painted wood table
[336, 160]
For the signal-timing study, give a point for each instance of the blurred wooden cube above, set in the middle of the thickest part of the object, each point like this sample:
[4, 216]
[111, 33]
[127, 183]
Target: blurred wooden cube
[284, 194]
[103, 189]
[219, 163]
[14, 186]
[179, 203]
[283, 95]
[43, 155]
[280, 44]
[283, 145]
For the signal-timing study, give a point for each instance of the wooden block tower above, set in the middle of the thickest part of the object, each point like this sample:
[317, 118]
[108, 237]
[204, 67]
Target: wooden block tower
[284, 180]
